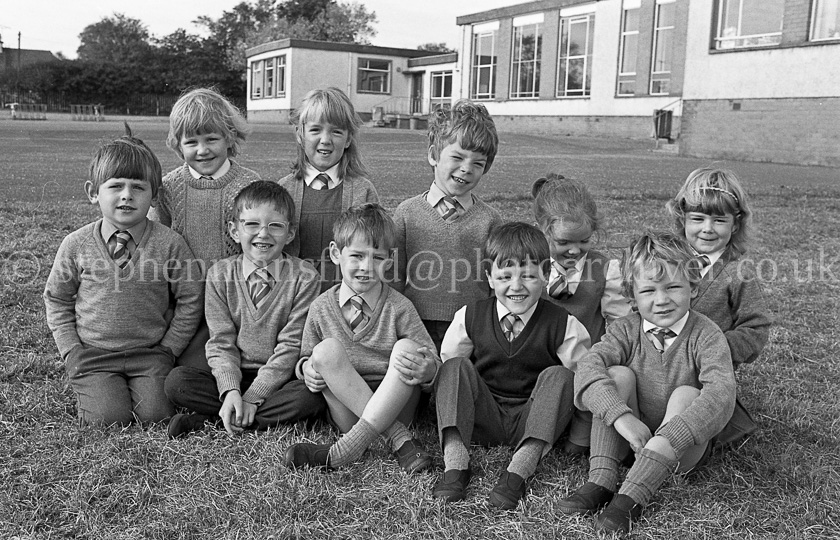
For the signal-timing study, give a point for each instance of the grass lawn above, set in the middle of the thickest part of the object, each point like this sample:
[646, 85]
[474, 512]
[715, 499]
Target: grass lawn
[60, 481]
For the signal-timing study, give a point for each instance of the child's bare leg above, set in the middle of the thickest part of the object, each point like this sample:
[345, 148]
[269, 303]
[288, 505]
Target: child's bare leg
[347, 392]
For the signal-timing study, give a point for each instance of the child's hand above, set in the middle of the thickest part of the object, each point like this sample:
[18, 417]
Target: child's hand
[415, 368]
[633, 430]
[235, 413]
[312, 378]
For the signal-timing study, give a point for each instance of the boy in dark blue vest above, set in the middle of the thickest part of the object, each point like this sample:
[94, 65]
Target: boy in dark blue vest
[508, 368]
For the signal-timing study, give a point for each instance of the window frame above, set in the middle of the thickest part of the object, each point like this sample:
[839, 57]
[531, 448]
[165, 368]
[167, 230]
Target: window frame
[562, 91]
[280, 76]
[739, 41]
[816, 4]
[257, 76]
[366, 69]
[661, 76]
[442, 101]
[269, 77]
[628, 77]
[519, 65]
[491, 67]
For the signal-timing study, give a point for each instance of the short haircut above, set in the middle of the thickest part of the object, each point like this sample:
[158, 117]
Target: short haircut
[333, 106]
[657, 250]
[557, 198]
[265, 192]
[517, 243]
[714, 191]
[466, 123]
[126, 157]
[204, 110]
[369, 220]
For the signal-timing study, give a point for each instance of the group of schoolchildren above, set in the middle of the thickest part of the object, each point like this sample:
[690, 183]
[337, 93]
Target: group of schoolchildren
[250, 303]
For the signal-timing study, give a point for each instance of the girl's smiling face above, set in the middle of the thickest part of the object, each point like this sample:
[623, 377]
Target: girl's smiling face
[709, 233]
[568, 241]
[323, 143]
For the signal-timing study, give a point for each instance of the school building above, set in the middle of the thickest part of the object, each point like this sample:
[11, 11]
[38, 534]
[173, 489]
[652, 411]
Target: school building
[726, 79]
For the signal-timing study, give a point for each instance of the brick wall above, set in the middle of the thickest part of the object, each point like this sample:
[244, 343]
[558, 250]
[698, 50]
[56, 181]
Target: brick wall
[798, 130]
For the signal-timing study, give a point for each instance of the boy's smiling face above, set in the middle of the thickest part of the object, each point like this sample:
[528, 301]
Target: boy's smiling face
[662, 301]
[263, 232]
[518, 286]
[205, 152]
[457, 171]
[124, 202]
[362, 266]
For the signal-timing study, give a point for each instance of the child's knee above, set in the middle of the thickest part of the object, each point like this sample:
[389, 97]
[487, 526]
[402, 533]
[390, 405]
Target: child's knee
[327, 355]
[405, 345]
[682, 396]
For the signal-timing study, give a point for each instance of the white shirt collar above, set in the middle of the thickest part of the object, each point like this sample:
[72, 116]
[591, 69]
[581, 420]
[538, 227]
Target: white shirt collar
[371, 297]
[311, 172]
[435, 194]
[223, 170]
[248, 267]
[573, 274]
[503, 311]
[676, 328]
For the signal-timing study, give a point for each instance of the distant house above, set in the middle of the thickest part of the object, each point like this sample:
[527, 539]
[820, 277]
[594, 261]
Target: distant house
[10, 59]
[392, 81]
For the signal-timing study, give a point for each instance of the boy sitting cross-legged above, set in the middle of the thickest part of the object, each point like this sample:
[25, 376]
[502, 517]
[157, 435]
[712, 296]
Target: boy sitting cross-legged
[660, 381]
[255, 305]
[508, 363]
[365, 349]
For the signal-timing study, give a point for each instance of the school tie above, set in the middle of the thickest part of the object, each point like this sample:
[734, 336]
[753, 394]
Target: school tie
[559, 287]
[511, 325]
[659, 335]
[448, 208]
[703, 261]
[358, 319]
[121, 254]
[322, 181]
[259, 285]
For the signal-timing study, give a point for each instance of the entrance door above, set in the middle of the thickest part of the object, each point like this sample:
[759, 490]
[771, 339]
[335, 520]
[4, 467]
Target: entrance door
[416, 93]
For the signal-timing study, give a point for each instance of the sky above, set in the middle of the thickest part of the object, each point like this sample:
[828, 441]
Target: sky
[55, 25]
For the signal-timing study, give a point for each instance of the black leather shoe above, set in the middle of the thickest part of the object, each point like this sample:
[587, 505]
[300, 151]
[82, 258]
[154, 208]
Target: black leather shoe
[307, 455]
[618, 515]
[452, 486]
[508, 491]
[412, 457]
[182, 424]
[588, 499]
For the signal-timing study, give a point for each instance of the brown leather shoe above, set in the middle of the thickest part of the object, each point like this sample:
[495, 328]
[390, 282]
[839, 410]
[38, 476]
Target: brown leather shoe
[307, 455]
[412, 457]
[508, 491]
[618, 516]
[452, 486]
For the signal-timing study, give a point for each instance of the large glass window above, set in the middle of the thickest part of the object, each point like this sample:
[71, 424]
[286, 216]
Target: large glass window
[269, 77]
[629, 48]
[525, 63]
[826, 20]
[483, 84]
[441, 94]
[574, 69]
[663, 36]
[281, 76]
[256, 79]
[749, 23]
[374, 76]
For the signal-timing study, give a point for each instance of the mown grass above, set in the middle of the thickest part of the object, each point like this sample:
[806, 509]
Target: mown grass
[60, 481]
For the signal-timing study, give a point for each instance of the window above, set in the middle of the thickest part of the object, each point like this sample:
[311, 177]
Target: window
[826, 20]
[663, 36]
[525, 63]
[749, 23]
[269, 78]
[441, 90]
[281, 76]
[374, 76]
[256, 79]
[483, 84]
[574, 69]
[629, 46]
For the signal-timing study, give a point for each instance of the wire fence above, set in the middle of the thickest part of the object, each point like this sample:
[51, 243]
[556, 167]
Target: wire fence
[136, 104]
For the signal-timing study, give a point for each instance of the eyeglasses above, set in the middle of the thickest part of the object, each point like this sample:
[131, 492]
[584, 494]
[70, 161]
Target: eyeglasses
[275, 228]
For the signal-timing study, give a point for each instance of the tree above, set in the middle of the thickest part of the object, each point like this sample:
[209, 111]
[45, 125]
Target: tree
[118, 39]
[440, 48]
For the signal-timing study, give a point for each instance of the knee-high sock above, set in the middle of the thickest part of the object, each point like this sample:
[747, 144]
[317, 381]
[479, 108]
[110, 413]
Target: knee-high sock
[352, 444]
[605, 453]
[527, 457]
[647, 474]
[455, 453]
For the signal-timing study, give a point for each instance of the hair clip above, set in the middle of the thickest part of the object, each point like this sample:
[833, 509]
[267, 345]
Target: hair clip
[720, 189]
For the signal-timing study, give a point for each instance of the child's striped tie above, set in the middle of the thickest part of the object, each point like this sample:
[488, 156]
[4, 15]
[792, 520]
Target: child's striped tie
[509, 326]
[322, 181]
[660, 335]
[358, 319]
[121, 254]
[559, 287]
[448, 208]
[259, 285]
